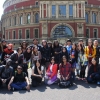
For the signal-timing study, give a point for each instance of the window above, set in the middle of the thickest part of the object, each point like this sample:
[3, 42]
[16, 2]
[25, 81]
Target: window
[27, 34]
[53, 11]
[95, 33]
[14, 35]
[62, 10]
[20, 34]
[28, 18]
[21, 19]
[36, 3]
[36, 33]
[87, 33]
[70, 10]
[86, 17]
[62, 31]
[36, 18]
[94, 17]
[14, 20]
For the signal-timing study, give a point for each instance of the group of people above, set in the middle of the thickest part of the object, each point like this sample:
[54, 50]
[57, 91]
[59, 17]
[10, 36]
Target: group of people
[52, 62]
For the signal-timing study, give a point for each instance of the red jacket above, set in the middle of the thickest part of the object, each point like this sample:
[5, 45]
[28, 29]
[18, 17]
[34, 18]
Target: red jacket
[54, 70]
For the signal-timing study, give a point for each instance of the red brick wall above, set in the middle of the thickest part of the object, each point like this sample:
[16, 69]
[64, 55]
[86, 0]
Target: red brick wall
[23, 32]
[94, 2]
[91, 30]
[22, 4]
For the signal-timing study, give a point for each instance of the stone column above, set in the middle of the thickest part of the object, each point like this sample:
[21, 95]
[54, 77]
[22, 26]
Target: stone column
[57, 11]
[31, 17]
[40, 10]
[77, 10]
[82, 9]
[46, 10]
[90, 17]
[74, 10]
[67, 10]
[99, 18]
[24, 18]
[17, 19]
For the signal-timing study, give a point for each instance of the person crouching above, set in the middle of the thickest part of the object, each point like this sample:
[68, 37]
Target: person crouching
[19, 80]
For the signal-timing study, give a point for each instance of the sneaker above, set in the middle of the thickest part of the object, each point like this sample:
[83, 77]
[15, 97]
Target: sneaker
[98, 83]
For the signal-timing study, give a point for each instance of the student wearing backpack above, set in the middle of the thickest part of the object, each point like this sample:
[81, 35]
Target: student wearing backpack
[19, 80]
[5, 73]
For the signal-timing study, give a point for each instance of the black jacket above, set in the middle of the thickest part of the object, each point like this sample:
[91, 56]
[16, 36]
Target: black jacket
[97, 54]
[46, 54]
[14, 57]
[91, 70]
[57, 56]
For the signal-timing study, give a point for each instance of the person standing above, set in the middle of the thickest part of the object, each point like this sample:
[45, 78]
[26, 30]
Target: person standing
[90, 51]
[57, 51]
[69, 47]
[46, 54]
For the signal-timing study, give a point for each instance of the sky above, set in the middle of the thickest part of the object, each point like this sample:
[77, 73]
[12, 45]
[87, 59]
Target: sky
[1, 7]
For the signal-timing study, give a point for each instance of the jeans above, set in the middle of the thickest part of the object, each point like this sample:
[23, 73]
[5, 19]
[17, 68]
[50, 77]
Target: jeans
[19, 85]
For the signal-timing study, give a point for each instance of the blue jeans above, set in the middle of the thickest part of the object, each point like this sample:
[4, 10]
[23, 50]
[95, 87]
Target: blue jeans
[19, 85]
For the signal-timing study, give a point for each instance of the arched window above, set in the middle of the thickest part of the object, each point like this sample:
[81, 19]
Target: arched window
[86, 17]
[21, 19]
[94, 17]
[28, 18]
[62, 31]
[36, 18]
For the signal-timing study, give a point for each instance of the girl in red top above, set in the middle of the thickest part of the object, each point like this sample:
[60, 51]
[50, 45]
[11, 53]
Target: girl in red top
[51, 73]
[7, 53]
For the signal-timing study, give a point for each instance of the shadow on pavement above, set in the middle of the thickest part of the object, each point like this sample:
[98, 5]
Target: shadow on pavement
[43, 87]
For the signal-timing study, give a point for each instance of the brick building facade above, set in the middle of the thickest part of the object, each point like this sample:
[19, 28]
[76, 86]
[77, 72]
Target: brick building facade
[50, 19]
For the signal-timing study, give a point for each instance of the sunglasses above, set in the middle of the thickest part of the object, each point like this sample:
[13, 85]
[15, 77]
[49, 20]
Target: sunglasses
[20, 68]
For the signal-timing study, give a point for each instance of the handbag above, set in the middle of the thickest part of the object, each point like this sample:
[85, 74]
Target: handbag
[64, 84]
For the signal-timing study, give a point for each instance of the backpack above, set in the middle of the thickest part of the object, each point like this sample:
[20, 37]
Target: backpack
[16, 73]
[64, 84]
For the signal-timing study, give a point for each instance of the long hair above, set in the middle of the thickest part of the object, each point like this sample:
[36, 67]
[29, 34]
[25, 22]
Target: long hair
[54, 46]
[1, 47]
[91, 44]
[33, 52]
[21, 44]
[36, 62]
[75, 47]
[82, 49]
[53, 58]
[62, 63]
